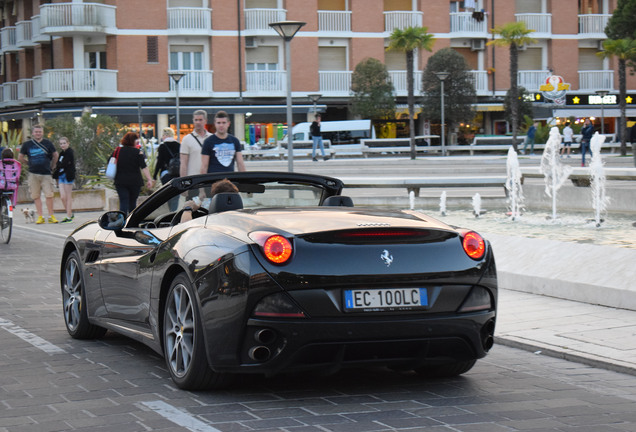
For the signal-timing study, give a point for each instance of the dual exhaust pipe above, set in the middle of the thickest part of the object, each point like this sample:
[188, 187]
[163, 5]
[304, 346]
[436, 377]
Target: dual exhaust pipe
[261, 353]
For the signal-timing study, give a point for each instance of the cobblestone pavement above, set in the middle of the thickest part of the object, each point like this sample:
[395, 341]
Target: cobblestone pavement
[50, 382]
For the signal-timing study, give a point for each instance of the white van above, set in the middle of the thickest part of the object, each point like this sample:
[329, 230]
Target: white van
[340, 133]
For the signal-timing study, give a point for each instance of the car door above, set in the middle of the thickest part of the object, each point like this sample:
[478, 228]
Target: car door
[125, 271]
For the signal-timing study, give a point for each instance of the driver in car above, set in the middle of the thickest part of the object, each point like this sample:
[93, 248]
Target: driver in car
[193, 205]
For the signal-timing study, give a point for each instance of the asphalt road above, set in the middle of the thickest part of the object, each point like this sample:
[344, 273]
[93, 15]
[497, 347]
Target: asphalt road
[50, 382]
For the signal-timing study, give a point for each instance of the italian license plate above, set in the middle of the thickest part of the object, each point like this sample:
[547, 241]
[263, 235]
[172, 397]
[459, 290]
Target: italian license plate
[386, 299]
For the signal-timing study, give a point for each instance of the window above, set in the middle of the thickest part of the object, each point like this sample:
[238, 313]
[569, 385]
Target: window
[530, 59]
[186, 57]
[263, 58]
[395, 60]
[332, 58]
[152, 49]
[95, 56]
[589, 61]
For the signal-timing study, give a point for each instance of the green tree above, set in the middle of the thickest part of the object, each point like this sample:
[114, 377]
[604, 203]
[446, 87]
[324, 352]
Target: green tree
[621, 23]
[513, 35]
[92, 138]
[372, 90]
[407, 41]
[525, 104]
[623, 50]
[459, 89]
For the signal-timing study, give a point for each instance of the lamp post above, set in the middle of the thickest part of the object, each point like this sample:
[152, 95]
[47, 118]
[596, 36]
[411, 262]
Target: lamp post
[314, 97]
[287, 30]
[176, 77]
[602, 94]
[442, 76]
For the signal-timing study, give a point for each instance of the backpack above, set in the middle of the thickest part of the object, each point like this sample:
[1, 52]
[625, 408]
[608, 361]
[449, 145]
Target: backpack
[174, 164]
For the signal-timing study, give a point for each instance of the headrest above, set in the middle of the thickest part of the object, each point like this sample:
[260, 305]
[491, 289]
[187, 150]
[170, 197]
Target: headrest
[338, 201]
[225, 201]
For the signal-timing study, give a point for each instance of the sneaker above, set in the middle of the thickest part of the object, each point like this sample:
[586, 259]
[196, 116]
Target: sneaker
[40, 220]
[314, 159]
[326, 158]
[52, 219]
[67, 220]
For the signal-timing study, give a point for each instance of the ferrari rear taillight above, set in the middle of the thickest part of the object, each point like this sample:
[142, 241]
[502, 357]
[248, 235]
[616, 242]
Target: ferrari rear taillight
[474, 245]
[276, 248]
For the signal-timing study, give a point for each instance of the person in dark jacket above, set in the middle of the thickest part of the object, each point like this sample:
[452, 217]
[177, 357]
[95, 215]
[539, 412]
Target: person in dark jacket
[586, 136]
[131, 163]
[168, 149]
[65, 175]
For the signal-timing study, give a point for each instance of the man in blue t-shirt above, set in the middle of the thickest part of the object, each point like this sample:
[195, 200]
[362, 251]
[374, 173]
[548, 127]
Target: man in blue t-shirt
[42, 157]
[221, 149]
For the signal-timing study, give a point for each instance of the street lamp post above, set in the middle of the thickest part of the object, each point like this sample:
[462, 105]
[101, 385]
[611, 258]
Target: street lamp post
[287, 30]
[314, 97]
[442, 76]
[176, 77]
[602, 94]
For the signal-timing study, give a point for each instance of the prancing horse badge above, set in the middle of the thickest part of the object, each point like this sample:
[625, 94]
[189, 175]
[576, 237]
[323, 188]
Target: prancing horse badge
[386, 257]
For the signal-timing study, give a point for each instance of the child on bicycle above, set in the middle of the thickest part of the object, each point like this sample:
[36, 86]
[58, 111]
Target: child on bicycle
[10, 170]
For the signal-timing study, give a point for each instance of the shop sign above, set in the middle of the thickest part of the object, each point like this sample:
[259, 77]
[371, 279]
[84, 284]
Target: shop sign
[555, 89]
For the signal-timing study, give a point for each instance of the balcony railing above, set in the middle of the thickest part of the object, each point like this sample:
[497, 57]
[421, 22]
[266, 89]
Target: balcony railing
[186, 19]
[194, 83]
[531, 80]
[65, 83]
[30, 89]
[539, 22]
[480, 81]
[335, 83]
[334, 21]
[463, 22]
[266, 83]
[259, 19]
[594, 80]
[401, 20]
[398, 78]
[593, 24]
[23, 34]
[9, 40]
[77, 18]
[10, 93]
[36, 30]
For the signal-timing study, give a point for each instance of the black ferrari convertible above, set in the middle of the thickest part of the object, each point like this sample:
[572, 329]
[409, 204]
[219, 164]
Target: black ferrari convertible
[284, 275]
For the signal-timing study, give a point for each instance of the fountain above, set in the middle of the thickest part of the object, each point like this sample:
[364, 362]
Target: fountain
[442, 203]
[597, 178]
[513, 184]
[477, 205]
[555, 173]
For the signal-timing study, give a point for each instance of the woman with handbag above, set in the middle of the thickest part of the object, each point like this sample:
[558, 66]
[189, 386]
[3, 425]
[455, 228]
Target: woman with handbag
[131, 163]
[65, 175]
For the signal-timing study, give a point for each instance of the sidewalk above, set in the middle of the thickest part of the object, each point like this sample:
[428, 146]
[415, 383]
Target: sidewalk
[599, 336]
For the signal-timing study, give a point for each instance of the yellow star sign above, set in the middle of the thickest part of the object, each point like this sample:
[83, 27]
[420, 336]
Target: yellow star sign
[576, 100]
[537, 96]
[628, 99]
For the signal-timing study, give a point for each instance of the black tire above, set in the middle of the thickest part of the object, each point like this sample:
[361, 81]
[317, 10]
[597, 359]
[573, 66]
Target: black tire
[183, 344]
[74, 301]
[6, 220]
[446, 370]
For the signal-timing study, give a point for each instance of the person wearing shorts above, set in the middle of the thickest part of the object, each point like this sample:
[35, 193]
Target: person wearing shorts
[568, 137]
[42, 157]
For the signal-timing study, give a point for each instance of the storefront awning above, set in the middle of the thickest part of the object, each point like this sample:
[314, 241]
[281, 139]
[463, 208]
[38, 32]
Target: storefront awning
[490, 107]
[593, 112]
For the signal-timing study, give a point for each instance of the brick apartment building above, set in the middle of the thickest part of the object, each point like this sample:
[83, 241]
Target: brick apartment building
[115, 56]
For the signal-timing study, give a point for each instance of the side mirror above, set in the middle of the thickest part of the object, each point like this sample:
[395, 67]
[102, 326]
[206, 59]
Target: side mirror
[112, 220]
[147, 238]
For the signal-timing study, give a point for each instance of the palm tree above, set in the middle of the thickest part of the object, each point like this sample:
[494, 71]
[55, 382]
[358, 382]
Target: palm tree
[408, 40]
[624, 50]
[513, 35]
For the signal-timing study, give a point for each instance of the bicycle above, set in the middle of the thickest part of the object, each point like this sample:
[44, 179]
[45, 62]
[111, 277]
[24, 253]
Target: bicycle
[9, 178]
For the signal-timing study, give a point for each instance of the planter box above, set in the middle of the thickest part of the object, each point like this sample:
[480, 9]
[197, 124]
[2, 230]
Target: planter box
[83, 200]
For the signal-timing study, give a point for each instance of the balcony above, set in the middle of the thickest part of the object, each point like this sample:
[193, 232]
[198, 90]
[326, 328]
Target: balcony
[266, 83]
[36, 31]
[188, 20]
[464, 24]
[10, 94]
[9, 40]
[23, 34]
[30, 90]
[531, 80]
[593, 25]
[480, 82]
[401, 20]
[257, 20]
[398, 78]
[594, 80]
[334, 21]
[68, 19]
[540, 23]
[78, 83]
[194, 83]
[335, 83]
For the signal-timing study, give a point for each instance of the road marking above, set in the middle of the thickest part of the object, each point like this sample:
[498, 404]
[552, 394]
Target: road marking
[179, 417]
[31, 338]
